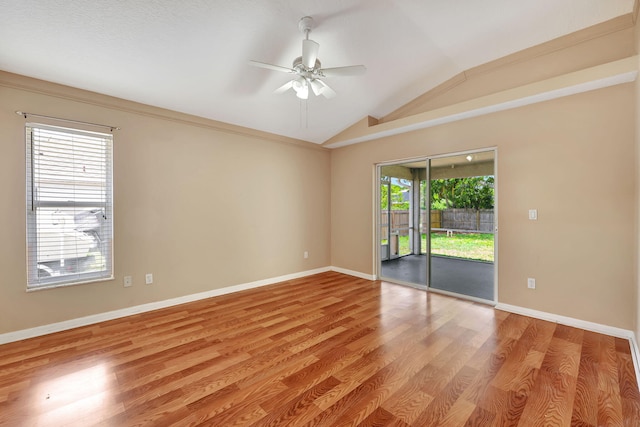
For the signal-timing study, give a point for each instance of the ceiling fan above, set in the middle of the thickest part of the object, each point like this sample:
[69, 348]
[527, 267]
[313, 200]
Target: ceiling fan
[307, 69]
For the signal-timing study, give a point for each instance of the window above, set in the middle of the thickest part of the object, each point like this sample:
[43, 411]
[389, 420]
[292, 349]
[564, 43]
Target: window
[69, 206]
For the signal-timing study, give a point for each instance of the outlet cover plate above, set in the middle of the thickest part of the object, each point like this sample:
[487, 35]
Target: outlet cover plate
[531, 283]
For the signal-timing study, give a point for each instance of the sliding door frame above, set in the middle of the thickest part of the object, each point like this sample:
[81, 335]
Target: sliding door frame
[377, 218]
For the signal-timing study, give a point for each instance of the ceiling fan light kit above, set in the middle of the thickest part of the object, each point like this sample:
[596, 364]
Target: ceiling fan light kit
[308, 68]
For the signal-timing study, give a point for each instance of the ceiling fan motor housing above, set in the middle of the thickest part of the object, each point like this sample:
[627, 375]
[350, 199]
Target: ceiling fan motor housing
[301, 69]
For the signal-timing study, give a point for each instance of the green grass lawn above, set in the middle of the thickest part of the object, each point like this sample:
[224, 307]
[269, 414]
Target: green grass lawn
[477, 246]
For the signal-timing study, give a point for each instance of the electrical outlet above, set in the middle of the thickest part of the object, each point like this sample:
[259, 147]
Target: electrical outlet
[148, 278]
[531, 283]
[128, 281]
[533, 214]
[306, 254]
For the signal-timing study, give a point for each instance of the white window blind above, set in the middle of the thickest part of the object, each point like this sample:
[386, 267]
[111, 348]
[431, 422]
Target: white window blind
[69, 206]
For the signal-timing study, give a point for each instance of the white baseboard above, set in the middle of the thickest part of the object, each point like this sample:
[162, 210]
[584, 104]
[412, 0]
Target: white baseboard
[353, 273]
[115, 314]
[582, 324]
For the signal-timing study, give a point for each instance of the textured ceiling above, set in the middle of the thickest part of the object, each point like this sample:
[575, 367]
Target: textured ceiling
[191, 56]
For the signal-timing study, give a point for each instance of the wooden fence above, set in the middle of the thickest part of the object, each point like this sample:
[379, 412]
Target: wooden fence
[450, 219]
[468, 219]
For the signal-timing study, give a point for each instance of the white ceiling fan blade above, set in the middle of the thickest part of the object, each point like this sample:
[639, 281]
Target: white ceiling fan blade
[352, 70]
[309, 53]
[285, 87]
[316, 86]
[326, 91]
[271, 67]
[321, 88]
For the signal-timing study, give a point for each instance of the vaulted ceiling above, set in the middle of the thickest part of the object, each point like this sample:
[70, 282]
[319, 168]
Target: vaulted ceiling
[192, 56]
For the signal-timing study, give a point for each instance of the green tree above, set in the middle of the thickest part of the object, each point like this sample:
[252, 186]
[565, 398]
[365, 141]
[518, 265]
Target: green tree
[472, 193]
[476, 192]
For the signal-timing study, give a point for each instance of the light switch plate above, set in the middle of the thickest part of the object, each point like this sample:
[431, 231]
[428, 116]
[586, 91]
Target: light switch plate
[533, 214]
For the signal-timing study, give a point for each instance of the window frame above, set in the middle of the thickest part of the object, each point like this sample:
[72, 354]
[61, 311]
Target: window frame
[34, 206]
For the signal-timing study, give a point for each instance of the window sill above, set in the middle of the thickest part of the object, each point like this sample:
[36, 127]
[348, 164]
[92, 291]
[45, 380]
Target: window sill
[66, 285]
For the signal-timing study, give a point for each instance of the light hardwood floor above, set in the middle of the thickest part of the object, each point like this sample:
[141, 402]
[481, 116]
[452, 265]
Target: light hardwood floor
[324, 350]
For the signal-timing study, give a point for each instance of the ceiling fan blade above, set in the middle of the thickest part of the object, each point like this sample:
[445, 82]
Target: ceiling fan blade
[316, 86]
[285, 87]
[309, 53]
[352, 70]
[321, 88]
[326, 91]
[271, 67]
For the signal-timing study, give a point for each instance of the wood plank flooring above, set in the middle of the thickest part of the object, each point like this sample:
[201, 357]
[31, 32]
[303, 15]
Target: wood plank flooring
[326, 350]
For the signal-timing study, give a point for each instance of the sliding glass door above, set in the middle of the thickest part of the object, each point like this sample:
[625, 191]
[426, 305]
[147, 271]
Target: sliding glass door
[401, 224]
[462, 199]
[437, 223]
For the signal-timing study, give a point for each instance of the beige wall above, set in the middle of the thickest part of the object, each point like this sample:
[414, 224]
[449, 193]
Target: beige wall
[199, 204]
[573, 159]
[637, 182]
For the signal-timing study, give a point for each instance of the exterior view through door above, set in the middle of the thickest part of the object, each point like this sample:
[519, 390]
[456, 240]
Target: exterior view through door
[437, 224]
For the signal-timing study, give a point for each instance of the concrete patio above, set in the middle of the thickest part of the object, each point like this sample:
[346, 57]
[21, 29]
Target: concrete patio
[461, 276]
